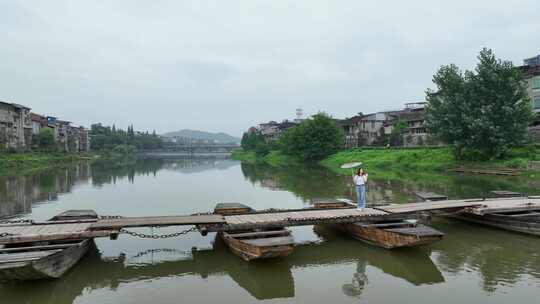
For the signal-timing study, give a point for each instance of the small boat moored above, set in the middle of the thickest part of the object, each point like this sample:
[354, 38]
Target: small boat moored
[525, 221]
[256, 243]
[387, 234]
[395, 234]
[45, 259]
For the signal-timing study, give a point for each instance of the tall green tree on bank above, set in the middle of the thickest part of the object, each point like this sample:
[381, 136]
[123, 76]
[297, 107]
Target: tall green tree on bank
[313, 139]
[255, 142]
[46, 140]
[107, 138]
[482, 112]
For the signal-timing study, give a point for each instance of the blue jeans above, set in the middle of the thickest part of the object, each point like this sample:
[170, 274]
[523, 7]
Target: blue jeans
[361, 192]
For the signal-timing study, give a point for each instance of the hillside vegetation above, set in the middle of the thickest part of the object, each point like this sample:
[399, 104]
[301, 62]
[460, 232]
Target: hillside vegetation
[201, 135]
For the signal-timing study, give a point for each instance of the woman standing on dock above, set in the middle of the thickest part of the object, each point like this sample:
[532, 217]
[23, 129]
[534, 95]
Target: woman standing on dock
[360, 179]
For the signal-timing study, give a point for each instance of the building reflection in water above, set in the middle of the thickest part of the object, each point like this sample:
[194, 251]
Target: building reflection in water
[19, 193]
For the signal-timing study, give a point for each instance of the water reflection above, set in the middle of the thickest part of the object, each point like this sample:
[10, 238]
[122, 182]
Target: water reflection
[311, 182]
[19, 193]
[500, 257]
[462, 251]
[335, 263]
[267, 279]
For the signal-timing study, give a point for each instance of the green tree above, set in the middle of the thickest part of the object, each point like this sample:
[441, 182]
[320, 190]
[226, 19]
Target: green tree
[46, 139]
[253, 141]
[313, 139]
[482, 112]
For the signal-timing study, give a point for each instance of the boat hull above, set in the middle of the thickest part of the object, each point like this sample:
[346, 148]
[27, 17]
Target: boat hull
[392, 238]
[260, 248]
[526, 222]
[51, 266]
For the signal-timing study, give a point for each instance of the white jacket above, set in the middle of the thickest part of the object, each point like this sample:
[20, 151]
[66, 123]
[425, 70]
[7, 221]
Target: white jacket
[360, 179]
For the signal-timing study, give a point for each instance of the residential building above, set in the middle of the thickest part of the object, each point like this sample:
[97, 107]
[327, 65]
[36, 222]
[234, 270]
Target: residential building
[84, 140]
[38, 122]
[414, 115]
[373, 129]
[272, 130]
[73, 139]
[366, 129]
[15, 126]
[62, 134]
[531, 70]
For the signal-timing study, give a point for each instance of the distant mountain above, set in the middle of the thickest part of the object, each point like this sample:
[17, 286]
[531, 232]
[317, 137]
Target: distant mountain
[220, 137]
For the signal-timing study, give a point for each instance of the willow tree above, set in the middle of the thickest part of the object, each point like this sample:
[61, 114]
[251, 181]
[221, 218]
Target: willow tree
[482, 112]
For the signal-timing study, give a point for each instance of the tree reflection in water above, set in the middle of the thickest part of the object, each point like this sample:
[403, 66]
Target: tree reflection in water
[312, 181]
[19, 193]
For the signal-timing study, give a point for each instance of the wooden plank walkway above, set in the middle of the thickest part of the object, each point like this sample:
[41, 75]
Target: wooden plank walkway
[431, 205]
[503, 193]
[430, 196]
[505, 172]
[299, 218]
[26, 232]
[508, 205]
[157, 221]
[45, 232]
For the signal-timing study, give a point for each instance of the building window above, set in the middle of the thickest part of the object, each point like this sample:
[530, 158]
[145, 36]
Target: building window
[536, 82]
[536, 103]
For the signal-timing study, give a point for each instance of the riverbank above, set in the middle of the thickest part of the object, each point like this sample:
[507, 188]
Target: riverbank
[22, 163]
[425, 160]
[388, 162]
[274, 158]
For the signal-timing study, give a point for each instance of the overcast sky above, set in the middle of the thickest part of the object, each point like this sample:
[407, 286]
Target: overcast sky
[227, 65]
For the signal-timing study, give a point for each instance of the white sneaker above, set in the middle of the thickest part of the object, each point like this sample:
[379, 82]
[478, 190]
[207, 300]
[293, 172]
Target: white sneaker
[359, 209]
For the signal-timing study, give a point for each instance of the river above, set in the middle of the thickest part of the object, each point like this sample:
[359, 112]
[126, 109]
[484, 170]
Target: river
[472, 264]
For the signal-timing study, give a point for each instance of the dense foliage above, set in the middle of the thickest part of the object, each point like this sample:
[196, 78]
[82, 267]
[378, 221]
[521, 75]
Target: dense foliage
[107, 138]
[255, 142]
[313, 139]
[45, 139]
[483, 112]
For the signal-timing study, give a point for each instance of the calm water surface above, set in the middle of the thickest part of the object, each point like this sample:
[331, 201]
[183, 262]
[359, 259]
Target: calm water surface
[472, 264]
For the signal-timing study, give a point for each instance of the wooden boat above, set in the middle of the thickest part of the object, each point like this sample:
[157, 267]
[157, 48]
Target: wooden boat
[45, 259]
[33, 262]
[526, 221]
[505, 214]
[256, 243]
[387, 234]
[395, 234]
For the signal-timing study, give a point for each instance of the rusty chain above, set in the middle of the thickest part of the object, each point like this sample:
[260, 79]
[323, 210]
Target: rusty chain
[158, 236]
[110, 217]
[21, 221]
[17, 221]
[151, 251]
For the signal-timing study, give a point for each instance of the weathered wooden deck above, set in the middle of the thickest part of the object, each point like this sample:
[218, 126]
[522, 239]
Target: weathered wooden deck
[32, 232]
[430, 196]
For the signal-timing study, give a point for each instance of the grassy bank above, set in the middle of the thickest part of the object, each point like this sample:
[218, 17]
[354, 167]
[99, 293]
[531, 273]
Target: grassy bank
[274, 158]
[21, 163]
[397, 163]
[423, 160]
